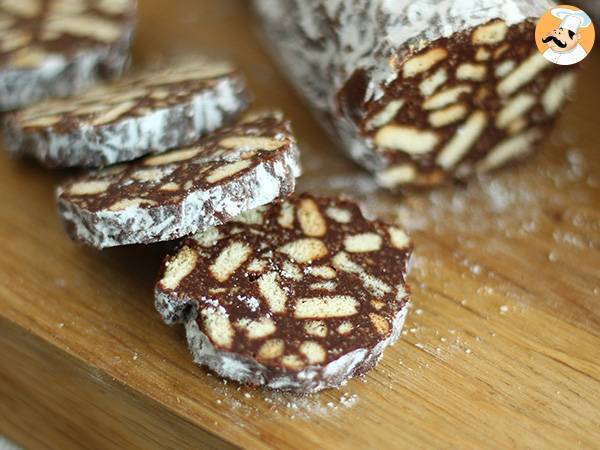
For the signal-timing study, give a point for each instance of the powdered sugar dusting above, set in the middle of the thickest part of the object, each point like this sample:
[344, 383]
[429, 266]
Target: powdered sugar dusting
[232, 397]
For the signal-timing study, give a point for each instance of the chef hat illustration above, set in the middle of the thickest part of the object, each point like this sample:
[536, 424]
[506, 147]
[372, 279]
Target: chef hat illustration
[572, 20]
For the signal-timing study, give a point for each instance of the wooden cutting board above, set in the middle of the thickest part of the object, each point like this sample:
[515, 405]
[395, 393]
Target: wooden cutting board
[501, 348]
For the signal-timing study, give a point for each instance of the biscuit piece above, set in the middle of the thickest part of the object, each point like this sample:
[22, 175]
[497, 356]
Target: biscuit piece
[300, 295]
[151, 112]
[58, 47]
[177, 193]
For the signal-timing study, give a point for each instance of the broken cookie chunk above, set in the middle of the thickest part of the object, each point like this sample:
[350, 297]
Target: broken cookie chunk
[300, 295]
[174, 194]
[58, 47]
[147, 113]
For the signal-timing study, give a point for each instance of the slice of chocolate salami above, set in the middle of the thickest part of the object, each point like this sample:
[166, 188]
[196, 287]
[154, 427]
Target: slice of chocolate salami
[57, 47]
[300, 295]
[147, 113]
[420, 92]
[167, 196]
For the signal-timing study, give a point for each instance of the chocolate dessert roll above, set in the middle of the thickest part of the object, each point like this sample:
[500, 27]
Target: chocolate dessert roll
[420, 92]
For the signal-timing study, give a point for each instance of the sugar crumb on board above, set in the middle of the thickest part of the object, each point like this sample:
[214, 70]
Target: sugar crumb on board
[230, 397]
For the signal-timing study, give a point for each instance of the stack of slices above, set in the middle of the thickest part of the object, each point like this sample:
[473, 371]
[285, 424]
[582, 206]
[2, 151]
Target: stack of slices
[290, 292]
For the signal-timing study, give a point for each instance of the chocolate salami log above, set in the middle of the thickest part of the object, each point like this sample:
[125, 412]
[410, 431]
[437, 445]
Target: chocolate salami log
[57, 47]
[180, 192]
[299, 295]
[148, 113]
[421, 91]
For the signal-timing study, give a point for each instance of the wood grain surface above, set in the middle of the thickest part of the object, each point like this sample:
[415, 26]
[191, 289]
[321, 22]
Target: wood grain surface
[501, 348]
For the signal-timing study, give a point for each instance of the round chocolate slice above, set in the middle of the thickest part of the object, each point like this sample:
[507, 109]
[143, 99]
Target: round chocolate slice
[299, 295]
[57, 47]
[147, 113]
[167, 196]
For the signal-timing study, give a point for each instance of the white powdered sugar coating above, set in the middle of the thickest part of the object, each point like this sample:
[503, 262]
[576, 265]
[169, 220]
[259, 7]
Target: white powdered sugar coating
[367, 33]
[311, 379]
[132, 136]
[198, 210]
